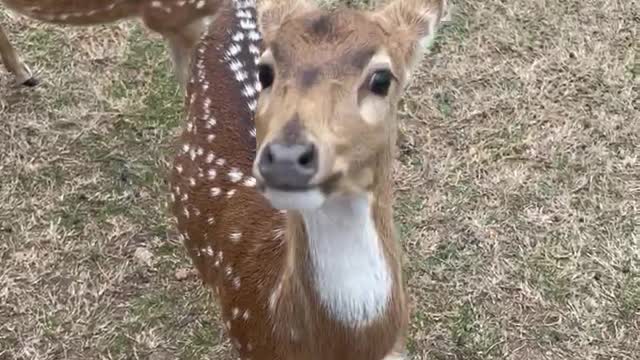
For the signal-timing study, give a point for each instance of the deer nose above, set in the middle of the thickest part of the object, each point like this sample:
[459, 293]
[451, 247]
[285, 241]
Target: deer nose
[288, 166]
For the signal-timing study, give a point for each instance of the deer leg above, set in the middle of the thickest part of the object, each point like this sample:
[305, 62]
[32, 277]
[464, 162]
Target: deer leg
[183, 43]
[181, 60]
[13, 63]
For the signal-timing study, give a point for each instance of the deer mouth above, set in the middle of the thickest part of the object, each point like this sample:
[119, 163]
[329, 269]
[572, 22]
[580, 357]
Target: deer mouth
[307, 197]
[327, 186]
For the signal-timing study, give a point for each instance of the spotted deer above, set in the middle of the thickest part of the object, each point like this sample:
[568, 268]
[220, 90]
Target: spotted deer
[282, 184]
[180, 22]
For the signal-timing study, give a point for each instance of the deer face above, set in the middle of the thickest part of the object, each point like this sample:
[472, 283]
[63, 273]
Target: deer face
[331, 82]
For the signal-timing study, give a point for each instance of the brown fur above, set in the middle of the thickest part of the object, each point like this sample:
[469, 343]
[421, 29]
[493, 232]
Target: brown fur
[181, 26]
[320, 60]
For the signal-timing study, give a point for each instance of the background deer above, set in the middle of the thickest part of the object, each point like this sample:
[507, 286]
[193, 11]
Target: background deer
[297, 237]
[180, 22]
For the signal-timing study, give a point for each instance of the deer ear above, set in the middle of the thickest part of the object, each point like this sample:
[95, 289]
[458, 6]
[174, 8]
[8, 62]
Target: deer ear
[417, 21]
[272, 13]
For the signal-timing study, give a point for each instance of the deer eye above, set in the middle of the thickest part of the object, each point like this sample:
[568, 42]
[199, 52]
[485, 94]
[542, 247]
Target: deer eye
[265, 75]
[380, 81]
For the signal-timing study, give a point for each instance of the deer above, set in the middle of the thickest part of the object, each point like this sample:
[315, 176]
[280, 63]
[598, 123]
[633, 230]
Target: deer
[281, 184]
[179, 22]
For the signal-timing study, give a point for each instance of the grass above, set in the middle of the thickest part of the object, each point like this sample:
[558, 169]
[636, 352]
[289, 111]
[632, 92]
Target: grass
[518, 200]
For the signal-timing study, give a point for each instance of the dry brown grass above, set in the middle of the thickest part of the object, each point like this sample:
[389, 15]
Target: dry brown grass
[519, 196]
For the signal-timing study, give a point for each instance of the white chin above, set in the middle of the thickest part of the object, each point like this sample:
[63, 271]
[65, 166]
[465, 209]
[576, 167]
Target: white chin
[295, 200]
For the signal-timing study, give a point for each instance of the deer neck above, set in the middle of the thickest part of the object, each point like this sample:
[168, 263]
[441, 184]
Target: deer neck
[343, 255]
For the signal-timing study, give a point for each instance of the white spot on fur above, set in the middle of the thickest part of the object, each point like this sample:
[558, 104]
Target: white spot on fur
[235, 65]
[238, 36]
[252, 106]
[253, 49]
[209, 250]
[235, 175]
[249, 181]
[235, 236]
[254, 35]
[234, 50]
[247, 24]
[249, 91]
[278, 233]
[244, 14]
[241, 76]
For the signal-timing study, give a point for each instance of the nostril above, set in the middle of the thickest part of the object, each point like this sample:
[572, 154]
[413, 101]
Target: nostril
[268, 155]
[267, 160]
[306, 159]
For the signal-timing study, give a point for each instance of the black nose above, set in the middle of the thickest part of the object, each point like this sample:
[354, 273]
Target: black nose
[288, 166]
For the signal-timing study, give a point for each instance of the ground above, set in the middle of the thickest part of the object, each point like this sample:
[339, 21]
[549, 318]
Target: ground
[518, 184]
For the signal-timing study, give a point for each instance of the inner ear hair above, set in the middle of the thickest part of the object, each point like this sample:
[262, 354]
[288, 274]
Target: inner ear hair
[413, 25]
[272, 13]
[419, 17]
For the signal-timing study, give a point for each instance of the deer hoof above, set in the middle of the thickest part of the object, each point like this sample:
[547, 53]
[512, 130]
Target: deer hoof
[31, 82]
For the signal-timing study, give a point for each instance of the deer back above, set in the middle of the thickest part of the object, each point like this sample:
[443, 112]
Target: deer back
[232, 234]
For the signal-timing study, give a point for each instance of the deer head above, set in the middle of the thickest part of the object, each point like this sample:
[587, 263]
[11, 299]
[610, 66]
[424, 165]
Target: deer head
[331, 82]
